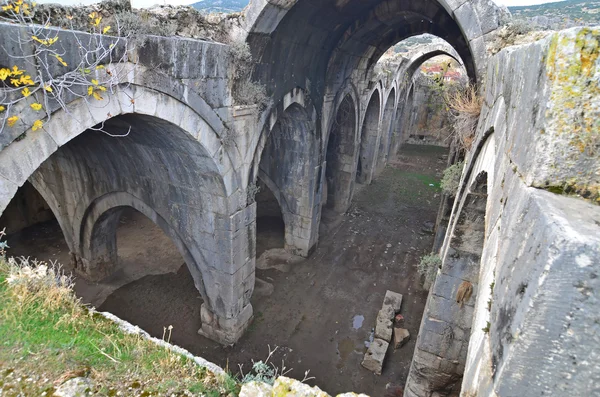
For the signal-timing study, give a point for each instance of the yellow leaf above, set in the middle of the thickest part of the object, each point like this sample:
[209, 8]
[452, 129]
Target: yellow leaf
[97, 96]
[4, 73]
[16, 82]
[2, 108]
[52, 41]
[25, 91]
[101, 88]
[37, 125]
[48, 87]
[90, 90]
[16, 71]
[26, 80]
[94, 82]
[59, 58]
[93, 15]
[99, 67]
[16, 8]
[12, 120]
[36, 106]
[6, 8]
[106, 29]
[97, 21]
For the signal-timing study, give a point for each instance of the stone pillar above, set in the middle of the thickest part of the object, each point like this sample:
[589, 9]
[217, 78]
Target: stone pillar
[229, 281]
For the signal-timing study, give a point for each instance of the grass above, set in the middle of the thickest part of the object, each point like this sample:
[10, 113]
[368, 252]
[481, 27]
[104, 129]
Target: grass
[47, 336]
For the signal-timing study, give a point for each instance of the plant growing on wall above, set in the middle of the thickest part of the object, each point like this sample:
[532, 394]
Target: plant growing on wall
[245, 90]
[451, 179]
[40, 79]
[428, 267]
[464, 105]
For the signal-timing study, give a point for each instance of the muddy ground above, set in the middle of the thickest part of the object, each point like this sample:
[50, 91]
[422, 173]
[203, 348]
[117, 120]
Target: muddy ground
[319, 312]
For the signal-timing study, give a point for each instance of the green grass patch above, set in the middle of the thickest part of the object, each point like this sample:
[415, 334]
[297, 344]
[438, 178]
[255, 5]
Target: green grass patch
[48, 336]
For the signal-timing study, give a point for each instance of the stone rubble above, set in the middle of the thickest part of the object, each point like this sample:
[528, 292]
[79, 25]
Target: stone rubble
[286, 387]
[375, 355]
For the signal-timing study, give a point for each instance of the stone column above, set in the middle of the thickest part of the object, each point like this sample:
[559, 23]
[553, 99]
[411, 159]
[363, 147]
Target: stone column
[229, 284]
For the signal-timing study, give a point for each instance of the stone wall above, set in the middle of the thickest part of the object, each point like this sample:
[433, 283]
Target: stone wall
[531, 324]
[426, 116]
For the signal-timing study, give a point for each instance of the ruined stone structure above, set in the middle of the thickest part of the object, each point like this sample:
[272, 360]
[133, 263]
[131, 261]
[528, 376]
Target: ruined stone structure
[192, 157]
[529, 250]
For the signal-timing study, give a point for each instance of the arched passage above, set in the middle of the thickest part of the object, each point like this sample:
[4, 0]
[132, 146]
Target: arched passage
[369, 140]
[341, 155]
[289, 167]
[386, 130]
[172, 171]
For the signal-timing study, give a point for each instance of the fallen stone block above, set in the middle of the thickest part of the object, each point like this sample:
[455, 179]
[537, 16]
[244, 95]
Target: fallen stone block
[375, 355]
[401, 336]
[383, 326]
[393, 300]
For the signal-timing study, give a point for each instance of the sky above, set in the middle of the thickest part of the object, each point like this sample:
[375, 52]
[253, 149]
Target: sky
[149, 3]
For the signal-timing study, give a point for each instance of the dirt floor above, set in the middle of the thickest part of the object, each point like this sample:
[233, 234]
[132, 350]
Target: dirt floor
[320, 312]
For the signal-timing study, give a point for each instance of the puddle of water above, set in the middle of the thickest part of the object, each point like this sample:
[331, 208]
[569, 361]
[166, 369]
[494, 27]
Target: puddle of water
[357, 321]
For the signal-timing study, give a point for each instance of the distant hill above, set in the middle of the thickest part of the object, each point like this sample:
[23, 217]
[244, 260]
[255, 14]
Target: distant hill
[227, 6]
[561, 14]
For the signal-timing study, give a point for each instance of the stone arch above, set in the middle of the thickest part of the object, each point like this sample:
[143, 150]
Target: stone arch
[369, 139]
[386, 130]
[360, 29]
[99, 226]
[177, 145]
[290, 165]
[341, 152]
[20, 159]
[441, 351]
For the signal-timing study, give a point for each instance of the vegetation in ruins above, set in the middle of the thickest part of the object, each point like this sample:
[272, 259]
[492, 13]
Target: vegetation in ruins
[33, 86]
[428, 267]
[464, 104]
[451, 179]
[49, 337]
[245, 90]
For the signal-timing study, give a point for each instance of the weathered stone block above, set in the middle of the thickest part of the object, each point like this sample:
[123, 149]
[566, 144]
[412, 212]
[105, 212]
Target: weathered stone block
[383, 326]
[375, 356]
[401, 336]
[256, 389]
[393, 300]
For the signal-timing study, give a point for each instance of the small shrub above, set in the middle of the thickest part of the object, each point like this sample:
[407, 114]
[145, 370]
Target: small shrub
[428, 267]
[451, 179]
[465, 105]
[245, 91]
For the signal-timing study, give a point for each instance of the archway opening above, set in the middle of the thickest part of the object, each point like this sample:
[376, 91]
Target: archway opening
[270, 226]
[289, 166]
[32, 229]
[340, 157]
[151, 285]
[94, 182]
[433, 85]
[368, 141]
